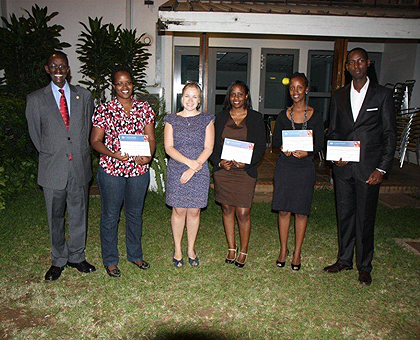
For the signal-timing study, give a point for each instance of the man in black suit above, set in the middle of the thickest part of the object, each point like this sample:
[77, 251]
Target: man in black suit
[360, 111]
[59, 122]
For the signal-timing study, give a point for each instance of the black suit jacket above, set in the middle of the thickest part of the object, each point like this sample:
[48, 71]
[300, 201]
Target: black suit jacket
[256, 134]
[375, 128]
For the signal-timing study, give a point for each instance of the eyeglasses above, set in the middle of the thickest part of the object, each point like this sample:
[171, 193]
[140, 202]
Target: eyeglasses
[60, 67]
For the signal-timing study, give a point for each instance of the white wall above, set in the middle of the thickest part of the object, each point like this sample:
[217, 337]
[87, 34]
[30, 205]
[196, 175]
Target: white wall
[415, 98]
[74, 11]
[398, 62]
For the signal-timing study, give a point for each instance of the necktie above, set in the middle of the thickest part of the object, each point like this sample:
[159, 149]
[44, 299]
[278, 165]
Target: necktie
[64, 109]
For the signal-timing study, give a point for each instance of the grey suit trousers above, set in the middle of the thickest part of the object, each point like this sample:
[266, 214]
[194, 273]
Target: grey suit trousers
[75, 198]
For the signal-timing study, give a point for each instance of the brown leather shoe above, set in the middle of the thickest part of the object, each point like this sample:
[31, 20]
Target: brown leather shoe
[365, 278]
[337, 267]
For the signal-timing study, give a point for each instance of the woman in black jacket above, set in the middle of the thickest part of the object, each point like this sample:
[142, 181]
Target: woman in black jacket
[234, 181]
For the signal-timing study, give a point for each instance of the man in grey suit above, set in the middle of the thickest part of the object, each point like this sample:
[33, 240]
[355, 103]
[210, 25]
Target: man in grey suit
[59, 122]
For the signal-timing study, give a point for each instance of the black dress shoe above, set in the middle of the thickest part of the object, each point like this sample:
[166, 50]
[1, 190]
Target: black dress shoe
[337, 267]
[365, 278]
[53, 273]
[83, 266]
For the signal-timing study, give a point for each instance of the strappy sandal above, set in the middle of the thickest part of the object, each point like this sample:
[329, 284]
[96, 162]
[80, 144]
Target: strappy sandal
[177, 263]
[113, 272]
[239, 264]
[142, 264]
[230, 261]
[193, 262]
[282, 264]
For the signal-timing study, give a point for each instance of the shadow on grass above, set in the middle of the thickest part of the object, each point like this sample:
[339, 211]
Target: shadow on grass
[192, 335]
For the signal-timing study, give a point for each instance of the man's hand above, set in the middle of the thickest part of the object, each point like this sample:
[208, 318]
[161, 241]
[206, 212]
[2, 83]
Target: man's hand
[375, 178]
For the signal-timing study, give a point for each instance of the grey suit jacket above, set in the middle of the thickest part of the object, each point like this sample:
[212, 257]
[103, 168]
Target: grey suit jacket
[52, 140]
[375, 128]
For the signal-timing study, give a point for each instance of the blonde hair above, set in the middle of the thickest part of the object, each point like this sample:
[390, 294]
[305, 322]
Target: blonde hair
[192, 84]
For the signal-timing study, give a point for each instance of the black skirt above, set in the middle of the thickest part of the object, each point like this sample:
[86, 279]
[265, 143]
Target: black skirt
[294, 182]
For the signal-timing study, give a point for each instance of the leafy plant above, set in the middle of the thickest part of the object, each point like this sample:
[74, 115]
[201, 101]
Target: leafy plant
[133, 54]
[97, 52]
[18, 157]
[159, 160]
[25, 43]
[102, 47]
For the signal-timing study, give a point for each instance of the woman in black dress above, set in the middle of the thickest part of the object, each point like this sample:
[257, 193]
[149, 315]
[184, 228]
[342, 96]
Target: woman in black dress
[294, 175]
[234, 182]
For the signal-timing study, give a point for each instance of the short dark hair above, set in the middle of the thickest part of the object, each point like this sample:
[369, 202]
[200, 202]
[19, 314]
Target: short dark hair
[60, 53]
[121, 68]
[300, 75]
[365, 54]
[247, 104]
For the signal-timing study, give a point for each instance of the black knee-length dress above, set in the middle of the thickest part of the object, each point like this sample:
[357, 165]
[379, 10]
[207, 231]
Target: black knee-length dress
[294, 179]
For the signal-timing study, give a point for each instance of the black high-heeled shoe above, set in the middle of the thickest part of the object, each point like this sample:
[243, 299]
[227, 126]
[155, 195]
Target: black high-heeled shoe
[295, 266]
[230, 261]
[282, 264]
[240, 264]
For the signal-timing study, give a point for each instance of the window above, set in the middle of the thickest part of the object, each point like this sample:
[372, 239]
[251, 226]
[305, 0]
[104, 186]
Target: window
[275, 65]
[225, 66]
[320, 68]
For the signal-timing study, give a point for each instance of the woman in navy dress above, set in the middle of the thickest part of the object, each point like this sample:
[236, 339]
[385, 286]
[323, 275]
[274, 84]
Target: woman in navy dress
[294, 175]
[189, 139]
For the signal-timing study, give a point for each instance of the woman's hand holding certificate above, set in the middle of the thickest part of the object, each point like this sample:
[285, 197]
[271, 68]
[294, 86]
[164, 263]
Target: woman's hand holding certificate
[135, 145]
[238, 151]
[297, 140]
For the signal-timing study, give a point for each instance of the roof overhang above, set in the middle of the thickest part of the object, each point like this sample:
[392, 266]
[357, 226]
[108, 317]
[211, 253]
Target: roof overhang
[289, 24]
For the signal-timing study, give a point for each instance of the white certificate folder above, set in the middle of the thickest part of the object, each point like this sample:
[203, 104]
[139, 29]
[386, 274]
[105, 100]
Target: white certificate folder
[348, 151]
[135, 145]
[297, 140]
[237, 150]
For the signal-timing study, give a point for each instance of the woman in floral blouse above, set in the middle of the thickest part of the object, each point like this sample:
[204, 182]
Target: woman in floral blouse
[122, 178]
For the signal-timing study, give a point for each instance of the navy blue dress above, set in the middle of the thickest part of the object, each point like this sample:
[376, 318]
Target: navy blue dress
[294, 179]
[189, 136]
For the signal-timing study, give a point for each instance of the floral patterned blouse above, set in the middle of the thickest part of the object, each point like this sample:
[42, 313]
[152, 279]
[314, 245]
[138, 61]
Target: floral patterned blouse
[112, 118]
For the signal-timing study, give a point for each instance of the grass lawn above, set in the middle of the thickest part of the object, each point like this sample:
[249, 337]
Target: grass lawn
[214, 301]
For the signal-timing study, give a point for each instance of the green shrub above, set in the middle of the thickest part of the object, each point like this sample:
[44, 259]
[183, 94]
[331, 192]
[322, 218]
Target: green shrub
[25, 43]
[18, 156]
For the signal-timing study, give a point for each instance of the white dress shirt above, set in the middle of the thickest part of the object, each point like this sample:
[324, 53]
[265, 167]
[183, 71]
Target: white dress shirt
[357, 98]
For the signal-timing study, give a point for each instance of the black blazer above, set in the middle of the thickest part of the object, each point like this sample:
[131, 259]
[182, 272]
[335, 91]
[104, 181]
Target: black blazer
[256, 134]
[375, 128]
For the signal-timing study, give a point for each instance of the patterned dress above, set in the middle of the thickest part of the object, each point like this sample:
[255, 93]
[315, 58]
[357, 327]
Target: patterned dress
[189, 135]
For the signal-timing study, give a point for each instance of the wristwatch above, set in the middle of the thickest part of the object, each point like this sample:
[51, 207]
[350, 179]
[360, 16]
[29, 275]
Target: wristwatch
[383, 172]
